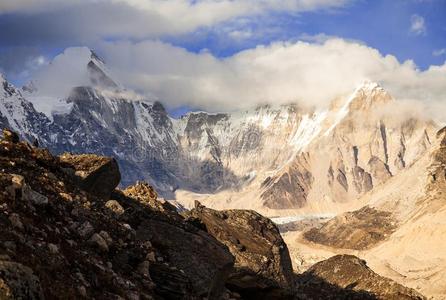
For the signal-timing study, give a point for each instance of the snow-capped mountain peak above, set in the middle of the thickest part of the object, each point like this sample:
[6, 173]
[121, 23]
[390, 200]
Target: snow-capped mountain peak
[280, 156]
[99, 74]
[369, 95]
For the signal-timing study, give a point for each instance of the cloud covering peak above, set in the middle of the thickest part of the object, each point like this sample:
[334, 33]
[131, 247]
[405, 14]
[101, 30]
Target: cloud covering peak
[310, 74]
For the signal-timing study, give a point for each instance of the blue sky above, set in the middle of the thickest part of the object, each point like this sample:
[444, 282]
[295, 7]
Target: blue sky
[381, 24]
[210, 40]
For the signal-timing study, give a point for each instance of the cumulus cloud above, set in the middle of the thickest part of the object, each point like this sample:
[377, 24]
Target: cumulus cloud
[65, 71]
[417, 25]
[310, 74]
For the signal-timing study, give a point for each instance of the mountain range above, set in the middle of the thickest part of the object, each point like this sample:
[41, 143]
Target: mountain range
[278, 157]
[372, 178]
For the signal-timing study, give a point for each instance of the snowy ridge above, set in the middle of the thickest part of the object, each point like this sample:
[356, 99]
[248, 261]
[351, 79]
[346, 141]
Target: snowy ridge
[12, 107]
[201, 152]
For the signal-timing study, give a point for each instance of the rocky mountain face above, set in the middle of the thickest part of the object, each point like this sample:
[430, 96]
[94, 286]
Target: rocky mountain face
[285, 157]
[19, 114]
[313, 160]
[384, 214]
[63, 239]
[400, 229]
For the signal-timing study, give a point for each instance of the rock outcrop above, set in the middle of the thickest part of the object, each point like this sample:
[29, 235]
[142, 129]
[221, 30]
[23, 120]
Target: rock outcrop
[97, 175]
[355, 279]
[262, 261]
[190, 260]
[146, 195]
[359, 230]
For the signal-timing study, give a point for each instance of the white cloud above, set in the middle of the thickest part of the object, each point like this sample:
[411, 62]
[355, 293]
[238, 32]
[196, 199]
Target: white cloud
[311, 74]
[417, 25]
[65, 71]
[439, 52]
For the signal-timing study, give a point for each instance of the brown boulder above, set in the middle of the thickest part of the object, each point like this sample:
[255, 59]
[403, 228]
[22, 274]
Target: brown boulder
[95, 174]
[262, 260]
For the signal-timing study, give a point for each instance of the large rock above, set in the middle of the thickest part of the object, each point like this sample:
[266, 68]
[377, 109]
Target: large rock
[262, 261]
[348, 277]
[189, 261]
[97, 175]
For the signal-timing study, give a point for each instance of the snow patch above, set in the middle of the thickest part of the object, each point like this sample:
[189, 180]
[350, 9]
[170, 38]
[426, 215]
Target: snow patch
[309, 128]
[290, 219]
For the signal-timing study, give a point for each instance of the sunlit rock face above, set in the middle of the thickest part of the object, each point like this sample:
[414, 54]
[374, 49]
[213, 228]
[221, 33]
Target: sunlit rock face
[291, 158]
[267, 158]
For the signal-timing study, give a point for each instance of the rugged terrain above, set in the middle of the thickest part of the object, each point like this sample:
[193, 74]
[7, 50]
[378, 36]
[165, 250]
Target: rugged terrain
[400, 230]
[62, 239]
[377, 171]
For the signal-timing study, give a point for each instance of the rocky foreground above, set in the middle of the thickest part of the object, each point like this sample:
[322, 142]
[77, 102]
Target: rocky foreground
[66, 232]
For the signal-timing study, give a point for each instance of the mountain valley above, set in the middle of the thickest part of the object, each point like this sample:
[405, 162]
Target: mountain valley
[351, 180]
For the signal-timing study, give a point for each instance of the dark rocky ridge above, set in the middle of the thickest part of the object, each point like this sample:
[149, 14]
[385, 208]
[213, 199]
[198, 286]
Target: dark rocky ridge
[78, 247]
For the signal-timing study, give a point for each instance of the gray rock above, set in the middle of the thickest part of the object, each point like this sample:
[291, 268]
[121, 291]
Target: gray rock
[33, 196]
[99, 242]
[107, 238]
[262, 260]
